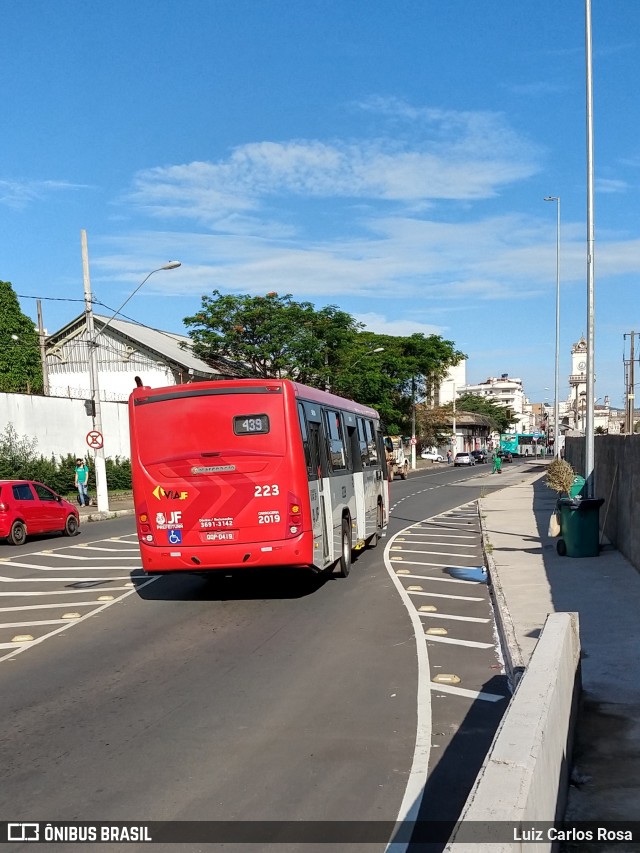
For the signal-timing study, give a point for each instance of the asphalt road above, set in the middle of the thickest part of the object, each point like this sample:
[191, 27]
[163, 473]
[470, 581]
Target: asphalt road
[265, 698]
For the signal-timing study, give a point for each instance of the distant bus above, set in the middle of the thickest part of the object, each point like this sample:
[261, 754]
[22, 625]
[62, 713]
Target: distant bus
[254, 473]
[521, 443]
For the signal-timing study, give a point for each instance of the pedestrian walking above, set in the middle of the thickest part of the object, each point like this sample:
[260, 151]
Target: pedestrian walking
[82, 482]
[449, 455]
[497, 464]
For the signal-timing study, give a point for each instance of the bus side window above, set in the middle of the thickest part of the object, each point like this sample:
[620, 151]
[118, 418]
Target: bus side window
[362, 441]
[335, 437]
[304, 432]
[371, 444]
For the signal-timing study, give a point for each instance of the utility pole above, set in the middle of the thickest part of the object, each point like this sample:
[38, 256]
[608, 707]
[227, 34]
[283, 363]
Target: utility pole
[100, 465]
[630, 396]
[413, 423]
[43, 354]
[454, 441]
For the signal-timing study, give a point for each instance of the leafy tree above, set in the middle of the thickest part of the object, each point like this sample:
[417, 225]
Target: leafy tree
[501, 416]
[20, 364]
[270, 336]
[274, 336]
[434, 425]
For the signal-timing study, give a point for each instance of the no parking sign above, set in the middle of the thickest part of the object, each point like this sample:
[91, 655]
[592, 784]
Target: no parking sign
[94, 439]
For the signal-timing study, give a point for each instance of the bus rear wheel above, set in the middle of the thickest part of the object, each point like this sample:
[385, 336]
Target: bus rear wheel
[344, 563]
[377, 535]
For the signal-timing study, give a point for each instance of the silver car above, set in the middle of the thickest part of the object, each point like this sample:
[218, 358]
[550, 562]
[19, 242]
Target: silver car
[464, 459]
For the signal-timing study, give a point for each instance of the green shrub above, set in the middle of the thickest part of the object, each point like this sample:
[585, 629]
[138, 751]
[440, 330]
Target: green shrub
[19, 460]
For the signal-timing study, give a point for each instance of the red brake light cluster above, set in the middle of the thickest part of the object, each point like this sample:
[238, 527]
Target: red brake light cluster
[144, 528]
[294, 516]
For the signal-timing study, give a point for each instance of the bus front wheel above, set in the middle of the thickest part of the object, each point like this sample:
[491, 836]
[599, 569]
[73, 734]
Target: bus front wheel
[344, 563]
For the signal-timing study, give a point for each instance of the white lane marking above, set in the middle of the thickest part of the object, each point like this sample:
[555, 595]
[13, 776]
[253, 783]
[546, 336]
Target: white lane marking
[422, 749]
[448, 544]
[414, 534]
[444, 595]
[21, 594]
[55, 606]
[428, 552]
[450, 616]
[437, 579]
[75, 580]
[68, 625]
[398, 562]
[431, 578]
[119, 568]
[473, 644]
[90, 557]
[469, 694]
[63, 568]
[32, 624]
[449, 525]
[97, 548]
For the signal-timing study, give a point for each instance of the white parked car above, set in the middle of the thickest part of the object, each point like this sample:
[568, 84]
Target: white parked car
[464, 459]
[432, 453]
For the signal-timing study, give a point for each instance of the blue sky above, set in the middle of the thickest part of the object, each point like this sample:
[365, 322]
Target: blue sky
[390, 158]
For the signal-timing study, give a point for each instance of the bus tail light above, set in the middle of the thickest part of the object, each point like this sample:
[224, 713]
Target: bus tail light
[144, 527]
[294, 516]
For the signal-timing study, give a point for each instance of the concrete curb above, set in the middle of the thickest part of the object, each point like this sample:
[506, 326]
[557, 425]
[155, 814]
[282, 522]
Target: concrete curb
[523, 776]
[513, 660]
[102, 516]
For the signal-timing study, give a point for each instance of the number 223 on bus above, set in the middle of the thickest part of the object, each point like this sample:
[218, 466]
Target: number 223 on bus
[250, 473]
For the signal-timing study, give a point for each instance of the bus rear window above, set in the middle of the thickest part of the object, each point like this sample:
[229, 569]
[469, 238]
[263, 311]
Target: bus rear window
[251, 424]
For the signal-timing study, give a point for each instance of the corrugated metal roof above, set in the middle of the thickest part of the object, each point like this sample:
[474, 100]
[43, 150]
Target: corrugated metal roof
[166, 344]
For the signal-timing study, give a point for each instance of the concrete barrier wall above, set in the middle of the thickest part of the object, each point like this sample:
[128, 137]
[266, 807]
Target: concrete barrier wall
[616, 479]
[524, 777]
[60, 424]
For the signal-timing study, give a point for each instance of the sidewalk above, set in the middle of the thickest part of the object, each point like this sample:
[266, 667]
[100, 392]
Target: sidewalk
[118, 505]
[531, 580]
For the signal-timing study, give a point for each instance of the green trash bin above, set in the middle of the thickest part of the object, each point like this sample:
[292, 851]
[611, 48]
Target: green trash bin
[578, 486]
[579, 527]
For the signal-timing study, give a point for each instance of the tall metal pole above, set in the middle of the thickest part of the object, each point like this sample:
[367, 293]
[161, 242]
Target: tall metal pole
[556, 384]
[631, 395]
[413, 423]
[589, 423]
[100, 465]
[43, 351]
[455, 440]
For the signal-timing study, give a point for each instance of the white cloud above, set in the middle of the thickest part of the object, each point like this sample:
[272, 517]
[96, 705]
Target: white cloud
[19, 194]
[446, 155]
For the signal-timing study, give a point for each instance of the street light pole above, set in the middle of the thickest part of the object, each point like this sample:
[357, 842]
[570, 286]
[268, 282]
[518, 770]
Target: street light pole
[589, 446]
[102, 493]
[556, 400]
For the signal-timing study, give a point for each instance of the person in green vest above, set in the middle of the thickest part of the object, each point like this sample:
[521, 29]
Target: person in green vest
[82, 482]
[497, 463]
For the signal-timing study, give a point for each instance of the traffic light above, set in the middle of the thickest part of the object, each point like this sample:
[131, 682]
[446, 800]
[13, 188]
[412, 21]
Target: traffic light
[90, 408]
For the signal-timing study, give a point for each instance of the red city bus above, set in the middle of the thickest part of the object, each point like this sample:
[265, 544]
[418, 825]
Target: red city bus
[249, 473]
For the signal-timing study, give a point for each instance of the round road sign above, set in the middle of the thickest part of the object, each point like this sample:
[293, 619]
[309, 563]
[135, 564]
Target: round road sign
[94, 439]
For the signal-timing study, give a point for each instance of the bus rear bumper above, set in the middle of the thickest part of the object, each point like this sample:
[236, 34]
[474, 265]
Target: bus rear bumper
[203, 558]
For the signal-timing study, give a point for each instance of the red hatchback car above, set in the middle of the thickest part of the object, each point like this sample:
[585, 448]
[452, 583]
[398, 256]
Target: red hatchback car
[28, 508]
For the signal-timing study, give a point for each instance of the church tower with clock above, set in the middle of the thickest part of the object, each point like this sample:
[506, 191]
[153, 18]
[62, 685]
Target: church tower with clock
[578, 384]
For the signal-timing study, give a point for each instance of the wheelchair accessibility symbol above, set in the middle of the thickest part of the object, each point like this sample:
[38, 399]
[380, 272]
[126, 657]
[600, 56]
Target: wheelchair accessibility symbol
[175, 537]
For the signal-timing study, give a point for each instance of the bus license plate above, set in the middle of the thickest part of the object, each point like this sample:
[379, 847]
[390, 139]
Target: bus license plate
[221, 536]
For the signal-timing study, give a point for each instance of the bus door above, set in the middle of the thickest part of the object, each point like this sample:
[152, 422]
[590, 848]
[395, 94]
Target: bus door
[366, 458]
[317, 467]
